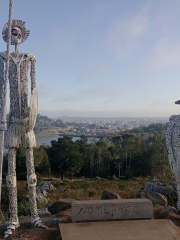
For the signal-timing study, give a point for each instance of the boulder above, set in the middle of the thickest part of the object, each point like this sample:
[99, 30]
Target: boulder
[45, 186]
[109, 195]
[60, 205]
[166, 213]
[166, 190]
[64, 189]
[156, 198]
[114, 177]
[41, 198]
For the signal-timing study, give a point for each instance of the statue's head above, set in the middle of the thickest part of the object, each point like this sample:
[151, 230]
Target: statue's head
[18, 32]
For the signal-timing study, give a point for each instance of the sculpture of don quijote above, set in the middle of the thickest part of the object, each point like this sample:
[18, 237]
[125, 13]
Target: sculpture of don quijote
[173, 147]
[21, 120]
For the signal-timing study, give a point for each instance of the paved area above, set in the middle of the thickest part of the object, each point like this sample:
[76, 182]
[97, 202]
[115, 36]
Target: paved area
[121, 230]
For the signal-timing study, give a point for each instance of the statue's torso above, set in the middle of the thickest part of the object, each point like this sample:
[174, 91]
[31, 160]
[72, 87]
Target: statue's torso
[18, 85]
[175, 137]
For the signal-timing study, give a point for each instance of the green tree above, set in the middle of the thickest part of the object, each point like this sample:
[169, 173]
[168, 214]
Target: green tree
[41, 161]
[65, 157]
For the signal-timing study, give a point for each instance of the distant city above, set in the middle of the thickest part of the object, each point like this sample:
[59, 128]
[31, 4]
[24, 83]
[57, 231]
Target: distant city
[102, 126]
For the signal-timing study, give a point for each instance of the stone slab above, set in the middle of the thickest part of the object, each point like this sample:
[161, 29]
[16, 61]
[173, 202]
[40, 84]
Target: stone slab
[116, 209]
[121, 230]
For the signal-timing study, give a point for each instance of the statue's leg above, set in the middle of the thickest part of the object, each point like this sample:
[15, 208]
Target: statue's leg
[174, 160]
[31, 178]
[12, 187]
[178, 193]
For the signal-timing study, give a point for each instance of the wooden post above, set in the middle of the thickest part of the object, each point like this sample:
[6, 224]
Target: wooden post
[3, 120]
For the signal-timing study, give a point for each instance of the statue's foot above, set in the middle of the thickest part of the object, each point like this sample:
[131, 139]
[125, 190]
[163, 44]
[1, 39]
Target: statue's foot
[10, 228]
[38, 223]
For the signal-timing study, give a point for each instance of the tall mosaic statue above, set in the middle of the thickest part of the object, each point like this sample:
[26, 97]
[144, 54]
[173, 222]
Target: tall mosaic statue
[173, 146]
[22, 118]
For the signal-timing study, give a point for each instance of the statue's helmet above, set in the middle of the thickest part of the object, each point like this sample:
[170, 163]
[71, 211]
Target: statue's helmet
[18, 32]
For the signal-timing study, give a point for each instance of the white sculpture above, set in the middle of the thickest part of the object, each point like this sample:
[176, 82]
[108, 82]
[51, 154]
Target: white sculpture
[21, 120]
[173, 146]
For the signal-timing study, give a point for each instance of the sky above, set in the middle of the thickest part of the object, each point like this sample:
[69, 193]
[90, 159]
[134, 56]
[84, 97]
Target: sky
[103, 58]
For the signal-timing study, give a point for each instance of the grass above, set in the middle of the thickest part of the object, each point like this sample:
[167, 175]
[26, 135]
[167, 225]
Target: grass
[92, 189]
[80, 189]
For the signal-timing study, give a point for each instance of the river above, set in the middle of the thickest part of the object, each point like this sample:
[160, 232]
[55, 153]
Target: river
[47, 140]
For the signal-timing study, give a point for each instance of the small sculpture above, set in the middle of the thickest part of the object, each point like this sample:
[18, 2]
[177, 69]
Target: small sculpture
[21, 120]
[173, 147]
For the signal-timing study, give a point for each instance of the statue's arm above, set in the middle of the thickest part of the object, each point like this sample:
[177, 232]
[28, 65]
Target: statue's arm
[169, 131]
[33, 72]
[34, 95]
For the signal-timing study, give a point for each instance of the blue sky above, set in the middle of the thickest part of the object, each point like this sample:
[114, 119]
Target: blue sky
[103, 58]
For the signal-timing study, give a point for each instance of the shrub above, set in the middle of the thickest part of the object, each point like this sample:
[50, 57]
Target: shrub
[24, 208]
[22, 176]
[129, 173]
[91, 193]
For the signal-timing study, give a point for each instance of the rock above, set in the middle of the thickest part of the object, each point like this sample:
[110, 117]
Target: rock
[41, 191]
[166, 213]
[41, 198]
[51, 187]
[156, 198]
[114, 177]
[60, 205]
[41, 195]
[65, 189]
[165, 190]
[108, 195]
[45, 186]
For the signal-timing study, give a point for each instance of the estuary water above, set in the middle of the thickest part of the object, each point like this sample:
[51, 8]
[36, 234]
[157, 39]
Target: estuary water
[47, 140]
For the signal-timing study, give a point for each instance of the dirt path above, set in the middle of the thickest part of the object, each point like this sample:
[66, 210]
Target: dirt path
[27, 232]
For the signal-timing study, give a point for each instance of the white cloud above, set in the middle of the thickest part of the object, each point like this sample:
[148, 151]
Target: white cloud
[94, 92]
[124, 35]
[163, 56]
[43, 90]
[95, 72]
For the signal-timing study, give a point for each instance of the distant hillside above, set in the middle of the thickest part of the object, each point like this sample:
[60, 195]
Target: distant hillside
[152, 128]
[43, 122]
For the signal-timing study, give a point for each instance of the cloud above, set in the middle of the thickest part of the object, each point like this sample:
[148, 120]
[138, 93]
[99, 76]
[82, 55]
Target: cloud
[102, 91]
[108, 101]
[124, 36]
[164, 55]
[148, 89]
[161, 104]
[94, 92]
[101, 113]
[72, 98]
[43, 90]
[92, 73]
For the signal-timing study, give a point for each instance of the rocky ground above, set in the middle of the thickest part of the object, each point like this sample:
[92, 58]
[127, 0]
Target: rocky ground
[161, 195]
[27, 232]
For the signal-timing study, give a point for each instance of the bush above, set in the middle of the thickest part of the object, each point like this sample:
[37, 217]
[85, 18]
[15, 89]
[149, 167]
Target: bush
[123, 178]
[22, 176]
[104, 172]
[91, 193]
[129, 173]
[24, 208]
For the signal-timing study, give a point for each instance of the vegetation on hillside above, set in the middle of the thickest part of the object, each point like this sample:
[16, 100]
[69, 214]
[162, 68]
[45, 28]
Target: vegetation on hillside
[126, 155]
